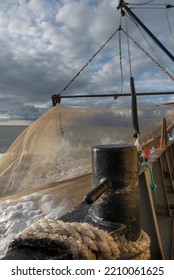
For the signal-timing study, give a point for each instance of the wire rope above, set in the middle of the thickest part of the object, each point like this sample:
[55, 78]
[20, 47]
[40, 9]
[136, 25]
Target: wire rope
[148, 55]
[128, 47]
[88, 62]
[155, 53]
[147, 8]
[168, 20]
[150, 5]
[120, 58]
[140, 4]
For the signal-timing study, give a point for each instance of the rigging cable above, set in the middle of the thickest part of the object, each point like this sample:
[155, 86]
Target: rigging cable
[121, 65]
[128, 47]
[147, 8]
[168, 21]
[158, 57]
[134, 110]
[120, 57]
[89, 61]
[154, 6]
[150, 6]
[148, 55]
[140, 4]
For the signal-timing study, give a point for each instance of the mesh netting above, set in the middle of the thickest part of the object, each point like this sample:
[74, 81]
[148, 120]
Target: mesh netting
[57, 146]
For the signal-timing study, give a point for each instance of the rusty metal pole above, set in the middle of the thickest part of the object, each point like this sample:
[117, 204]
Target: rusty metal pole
[119, 204]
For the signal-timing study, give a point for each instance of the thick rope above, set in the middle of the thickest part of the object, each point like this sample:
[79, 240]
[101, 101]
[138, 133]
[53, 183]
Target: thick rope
[81, 241]
[138, 249]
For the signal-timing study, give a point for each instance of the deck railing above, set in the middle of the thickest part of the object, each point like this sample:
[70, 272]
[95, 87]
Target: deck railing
[156, 181]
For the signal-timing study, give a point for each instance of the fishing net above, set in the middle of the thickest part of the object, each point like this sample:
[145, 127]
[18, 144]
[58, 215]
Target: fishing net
[56, 147]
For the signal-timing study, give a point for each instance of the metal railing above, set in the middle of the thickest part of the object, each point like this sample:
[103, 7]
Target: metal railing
[157, 205]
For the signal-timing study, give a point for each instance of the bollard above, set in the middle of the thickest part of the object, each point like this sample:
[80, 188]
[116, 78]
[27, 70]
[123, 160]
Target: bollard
[119, 204]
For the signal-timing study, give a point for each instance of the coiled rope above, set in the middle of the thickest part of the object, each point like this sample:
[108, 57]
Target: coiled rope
[81, 241]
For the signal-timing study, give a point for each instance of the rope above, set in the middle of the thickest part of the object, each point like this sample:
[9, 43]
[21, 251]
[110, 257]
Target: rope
[159, 59]
[89, 61]
[153, 186]
[121, 64]
[80, 241]
[168, 21]
[139, 4]
[148, 55]
[128, 49]
[60, 123]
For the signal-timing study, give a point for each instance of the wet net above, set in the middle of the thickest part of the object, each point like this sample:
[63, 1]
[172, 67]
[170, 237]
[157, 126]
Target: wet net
[57, 146]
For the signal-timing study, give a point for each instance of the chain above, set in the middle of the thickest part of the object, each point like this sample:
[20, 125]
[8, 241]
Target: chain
[89, 61]
[151, 58]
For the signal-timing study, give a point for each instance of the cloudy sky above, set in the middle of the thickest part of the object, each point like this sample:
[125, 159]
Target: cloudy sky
[44, 43]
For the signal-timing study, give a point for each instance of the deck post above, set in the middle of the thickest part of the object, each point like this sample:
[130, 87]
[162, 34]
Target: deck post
[118, 165]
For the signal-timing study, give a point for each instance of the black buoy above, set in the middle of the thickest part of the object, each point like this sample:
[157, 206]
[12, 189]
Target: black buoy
[119, 204]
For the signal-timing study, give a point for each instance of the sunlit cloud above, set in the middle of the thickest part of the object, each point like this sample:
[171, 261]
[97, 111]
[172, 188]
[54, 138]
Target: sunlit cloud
[44, 43]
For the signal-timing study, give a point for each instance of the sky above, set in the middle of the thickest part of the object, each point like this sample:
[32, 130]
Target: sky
[44, 43]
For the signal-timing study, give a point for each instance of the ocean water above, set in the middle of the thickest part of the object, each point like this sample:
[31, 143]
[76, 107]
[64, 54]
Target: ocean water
[8, 134]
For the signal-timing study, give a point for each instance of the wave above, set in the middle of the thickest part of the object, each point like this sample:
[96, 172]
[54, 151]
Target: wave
[56, 147]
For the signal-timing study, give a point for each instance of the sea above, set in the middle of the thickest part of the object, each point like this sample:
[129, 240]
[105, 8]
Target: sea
[8, 133]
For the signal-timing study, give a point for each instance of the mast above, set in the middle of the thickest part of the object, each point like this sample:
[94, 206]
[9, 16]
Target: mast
[122, 5]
